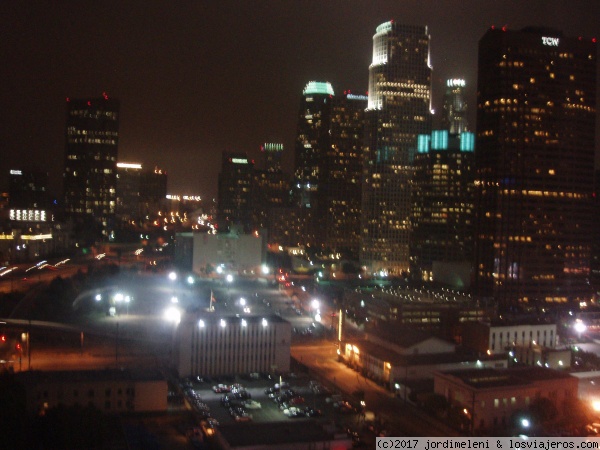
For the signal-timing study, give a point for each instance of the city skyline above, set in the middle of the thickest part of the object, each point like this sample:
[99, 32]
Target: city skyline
[201, 79]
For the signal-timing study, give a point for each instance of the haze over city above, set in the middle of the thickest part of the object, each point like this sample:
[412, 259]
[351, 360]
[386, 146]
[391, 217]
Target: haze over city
[195, 79]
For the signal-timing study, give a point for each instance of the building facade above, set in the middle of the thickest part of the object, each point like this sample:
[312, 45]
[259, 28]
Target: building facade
[454, 114]
[312, 143]
[443, 202]
[270, 188]
[92, 138]
[234, 205]
[536, 112]
[341, 183]
[128, 191]
[398, 111]
[111, 391]
[233, 252]
[491, 396]
[214, 345]
[501, 337]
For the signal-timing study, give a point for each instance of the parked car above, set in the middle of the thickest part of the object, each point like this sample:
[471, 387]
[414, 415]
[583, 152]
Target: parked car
[311, 412]
[221, 388]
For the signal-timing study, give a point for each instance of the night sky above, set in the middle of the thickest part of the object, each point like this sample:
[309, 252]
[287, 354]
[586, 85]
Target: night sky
[196, 78]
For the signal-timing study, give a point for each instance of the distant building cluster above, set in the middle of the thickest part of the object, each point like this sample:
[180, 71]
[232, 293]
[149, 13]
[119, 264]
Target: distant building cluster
[505, 208]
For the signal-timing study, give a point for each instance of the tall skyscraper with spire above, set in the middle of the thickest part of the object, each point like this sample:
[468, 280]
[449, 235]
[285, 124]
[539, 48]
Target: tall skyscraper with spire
[398, 111]
[90, 176]
[536, 113]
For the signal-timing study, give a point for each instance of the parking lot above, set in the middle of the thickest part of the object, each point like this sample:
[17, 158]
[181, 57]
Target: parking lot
[298, 399]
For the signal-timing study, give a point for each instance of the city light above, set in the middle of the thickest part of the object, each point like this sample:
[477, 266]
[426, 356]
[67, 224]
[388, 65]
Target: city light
[173, 315]
[172, 276]
[579, 326]
[229, 278]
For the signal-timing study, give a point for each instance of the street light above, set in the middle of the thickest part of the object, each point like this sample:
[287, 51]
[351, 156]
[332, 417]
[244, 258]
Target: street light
[172, 314]
[172, 276]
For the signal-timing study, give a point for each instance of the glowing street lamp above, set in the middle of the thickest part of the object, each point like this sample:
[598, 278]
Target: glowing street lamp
[172, 276]
[172, 314]
[229, 278]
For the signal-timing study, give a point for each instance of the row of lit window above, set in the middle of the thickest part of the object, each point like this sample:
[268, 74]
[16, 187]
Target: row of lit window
[544, 193]
[92, 141]
[105, 171]
[86, 113]
[78, 131]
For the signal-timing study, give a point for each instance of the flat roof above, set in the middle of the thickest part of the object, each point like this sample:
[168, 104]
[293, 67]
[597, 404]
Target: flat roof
[215, 318]
[74, 376]
[387, 355]
[515, 376]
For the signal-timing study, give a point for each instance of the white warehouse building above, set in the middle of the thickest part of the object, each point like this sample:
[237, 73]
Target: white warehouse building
[213, 345]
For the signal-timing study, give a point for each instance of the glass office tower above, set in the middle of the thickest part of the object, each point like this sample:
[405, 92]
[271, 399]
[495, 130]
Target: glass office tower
[536, 112]
[90, 176]
[398, 111]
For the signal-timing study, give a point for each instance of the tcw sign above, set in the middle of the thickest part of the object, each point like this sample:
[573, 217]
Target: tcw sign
[551, 41]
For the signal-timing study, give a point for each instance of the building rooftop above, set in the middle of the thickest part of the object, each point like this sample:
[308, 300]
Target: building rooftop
[516, 376]
[75, 376]
[211, 318]
[395, 359]
[402, 336]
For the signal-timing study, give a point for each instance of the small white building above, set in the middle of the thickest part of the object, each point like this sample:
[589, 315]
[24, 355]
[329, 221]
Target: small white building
[498, 336]
[242, 253]
[212, 344]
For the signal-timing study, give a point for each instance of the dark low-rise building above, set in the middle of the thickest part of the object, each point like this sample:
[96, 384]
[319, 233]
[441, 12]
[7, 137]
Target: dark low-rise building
[110, 391]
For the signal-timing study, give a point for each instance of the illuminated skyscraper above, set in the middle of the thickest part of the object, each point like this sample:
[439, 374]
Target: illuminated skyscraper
[443, 208]
[312, 141]
[234, 206]
[536, 111]
[270, 188]
[340, 189]
[454, 116]
[398, 110]
[272, 152]
[128, 191]
[92, 137]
